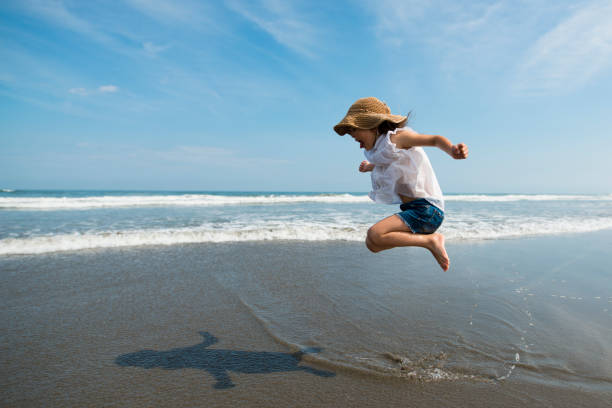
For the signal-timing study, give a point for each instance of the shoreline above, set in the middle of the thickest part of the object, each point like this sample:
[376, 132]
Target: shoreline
[69, 317]
[188, 239]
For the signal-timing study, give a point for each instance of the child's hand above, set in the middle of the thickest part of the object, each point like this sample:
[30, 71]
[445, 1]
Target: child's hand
[366, 166]
[459, 151]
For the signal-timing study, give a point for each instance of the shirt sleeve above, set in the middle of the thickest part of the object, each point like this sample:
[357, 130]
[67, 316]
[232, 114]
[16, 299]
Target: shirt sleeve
[388, 152]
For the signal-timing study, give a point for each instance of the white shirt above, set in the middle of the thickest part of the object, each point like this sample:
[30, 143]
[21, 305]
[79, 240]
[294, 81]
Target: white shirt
[402, 171]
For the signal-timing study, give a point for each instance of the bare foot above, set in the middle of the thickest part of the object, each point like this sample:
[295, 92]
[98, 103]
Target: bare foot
[436, 246]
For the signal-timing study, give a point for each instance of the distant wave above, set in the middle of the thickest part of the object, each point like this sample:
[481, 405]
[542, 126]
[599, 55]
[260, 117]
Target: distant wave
[200, 200]
[525, 197]
[274, 231]
[186, 200]
[6, 190]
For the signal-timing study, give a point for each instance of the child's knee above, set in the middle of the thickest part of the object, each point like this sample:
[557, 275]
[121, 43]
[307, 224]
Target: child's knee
[373, 239]
[373, 248]
[373, 235]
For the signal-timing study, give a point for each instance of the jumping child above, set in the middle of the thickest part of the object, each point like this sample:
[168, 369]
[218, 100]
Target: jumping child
[401, 174]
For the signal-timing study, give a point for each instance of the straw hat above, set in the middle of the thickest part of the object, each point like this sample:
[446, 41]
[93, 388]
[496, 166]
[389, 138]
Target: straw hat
[367, 113]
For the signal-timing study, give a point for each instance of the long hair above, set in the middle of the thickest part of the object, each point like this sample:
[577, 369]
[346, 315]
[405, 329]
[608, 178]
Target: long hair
[387, 126]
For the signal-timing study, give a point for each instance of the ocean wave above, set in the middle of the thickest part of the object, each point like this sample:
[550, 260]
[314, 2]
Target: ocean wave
[519, 227]
[78, 241]
[186, 200]
[206, 200]
[7, 190]
[525, 197]
[275, 231]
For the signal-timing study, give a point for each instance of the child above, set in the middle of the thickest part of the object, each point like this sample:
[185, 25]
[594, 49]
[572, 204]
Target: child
[401, 173]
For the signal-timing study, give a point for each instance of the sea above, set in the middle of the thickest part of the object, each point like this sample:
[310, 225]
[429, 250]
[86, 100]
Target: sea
[44, 221]
[101, 289]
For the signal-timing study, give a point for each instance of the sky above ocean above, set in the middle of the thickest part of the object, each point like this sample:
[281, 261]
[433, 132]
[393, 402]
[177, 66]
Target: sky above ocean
[242, 95]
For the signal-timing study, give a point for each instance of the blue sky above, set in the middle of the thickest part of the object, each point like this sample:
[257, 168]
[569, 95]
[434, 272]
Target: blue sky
[242, 95]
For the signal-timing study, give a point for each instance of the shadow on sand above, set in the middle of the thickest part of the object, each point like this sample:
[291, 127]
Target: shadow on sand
[218, 361]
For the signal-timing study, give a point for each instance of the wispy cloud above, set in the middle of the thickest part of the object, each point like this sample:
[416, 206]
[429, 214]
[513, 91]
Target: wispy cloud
[460, 35]
[532, 46]
[108, 88]
[477, 17]
[193, 13]
[40, 81]
[56, 12]
[570, 54]
[394, 20]
[46, 82]
[101, 89]
[281, 21]
[100, 23]
[152, 50]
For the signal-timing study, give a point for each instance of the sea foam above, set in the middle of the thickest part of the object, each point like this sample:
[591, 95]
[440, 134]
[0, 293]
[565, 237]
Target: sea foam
[185, 200]
[525, 197]
[454, 230]
[206, 200]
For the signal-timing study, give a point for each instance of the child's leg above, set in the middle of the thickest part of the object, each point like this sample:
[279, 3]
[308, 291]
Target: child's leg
[392, 232]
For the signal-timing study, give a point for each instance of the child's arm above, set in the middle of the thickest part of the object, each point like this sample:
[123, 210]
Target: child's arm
[406, 139]
[366, 166]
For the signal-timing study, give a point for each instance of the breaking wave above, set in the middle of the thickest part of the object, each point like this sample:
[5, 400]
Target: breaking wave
[456, 230]
[205, 200]
[185, 200]
[525, 197]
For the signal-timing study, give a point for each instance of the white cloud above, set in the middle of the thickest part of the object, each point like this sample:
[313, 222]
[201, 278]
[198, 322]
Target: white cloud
[152, 49]
[533, 46]
[282, 22]
[393, 20]
[100, 89]
[476, 18]
[95, 21]
[571, 54]
[461, 35]
[108, 88]
[56, 12]
[193, 13]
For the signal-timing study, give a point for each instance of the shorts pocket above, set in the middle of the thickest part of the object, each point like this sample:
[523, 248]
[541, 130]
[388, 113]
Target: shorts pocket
[433, 221]
[425, 214]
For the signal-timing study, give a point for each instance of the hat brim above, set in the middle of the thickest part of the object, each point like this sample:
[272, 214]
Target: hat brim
[366, 121]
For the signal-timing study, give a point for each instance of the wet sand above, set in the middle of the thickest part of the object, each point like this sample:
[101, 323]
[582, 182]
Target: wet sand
[513, 323]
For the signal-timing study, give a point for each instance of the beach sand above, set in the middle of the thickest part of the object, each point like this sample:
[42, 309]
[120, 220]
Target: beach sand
[522, 322]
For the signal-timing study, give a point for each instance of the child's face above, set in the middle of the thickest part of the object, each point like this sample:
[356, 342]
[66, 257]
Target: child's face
[365, 137]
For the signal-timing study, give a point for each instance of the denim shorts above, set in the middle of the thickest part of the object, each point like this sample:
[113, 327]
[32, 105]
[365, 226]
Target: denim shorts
[421, 216]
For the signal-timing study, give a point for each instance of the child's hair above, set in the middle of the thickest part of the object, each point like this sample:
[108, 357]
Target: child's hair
[387, 125]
